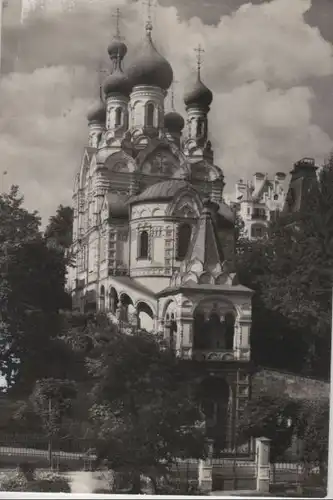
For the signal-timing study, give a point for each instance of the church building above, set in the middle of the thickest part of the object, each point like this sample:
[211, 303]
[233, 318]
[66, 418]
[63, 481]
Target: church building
[152, 236]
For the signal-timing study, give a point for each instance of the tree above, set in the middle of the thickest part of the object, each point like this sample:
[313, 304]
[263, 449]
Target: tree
[290, 271]
[52, 401]
[281, 418]
[31, 294]
[60, 227]
[143, 402]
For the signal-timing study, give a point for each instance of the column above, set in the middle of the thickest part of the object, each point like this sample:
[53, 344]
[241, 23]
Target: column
[205, 478]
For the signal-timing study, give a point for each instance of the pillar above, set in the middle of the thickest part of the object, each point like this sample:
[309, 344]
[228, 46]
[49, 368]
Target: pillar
[205, 473]
[263, 464]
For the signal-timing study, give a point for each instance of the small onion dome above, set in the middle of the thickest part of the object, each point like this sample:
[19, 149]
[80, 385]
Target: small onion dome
[97, 113]
[198, 95]
[117, 47]
[174, 122]
[150, 68]
[117, 82]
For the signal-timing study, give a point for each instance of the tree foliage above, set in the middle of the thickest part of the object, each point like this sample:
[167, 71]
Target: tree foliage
[32, 292]
[60, 227]
[282, 418]
[290, 271]
[52, 400]
[143, 407]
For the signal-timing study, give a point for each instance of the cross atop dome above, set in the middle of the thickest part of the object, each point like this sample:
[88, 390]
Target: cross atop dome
[117, 46]
[172, 94]
[117, 16]
[149, 22]
[199, 50]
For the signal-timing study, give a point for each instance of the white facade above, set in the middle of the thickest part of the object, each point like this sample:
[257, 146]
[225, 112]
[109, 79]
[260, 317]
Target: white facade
[258, 201]
[150, 225]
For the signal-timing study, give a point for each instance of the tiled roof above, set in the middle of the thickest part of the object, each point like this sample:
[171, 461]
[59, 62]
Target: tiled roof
[165, 190]
[205, 245]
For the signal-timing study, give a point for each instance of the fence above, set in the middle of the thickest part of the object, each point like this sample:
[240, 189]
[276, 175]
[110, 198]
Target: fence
[57, 453]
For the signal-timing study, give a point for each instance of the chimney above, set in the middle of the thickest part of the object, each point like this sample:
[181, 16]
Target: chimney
[258, 179]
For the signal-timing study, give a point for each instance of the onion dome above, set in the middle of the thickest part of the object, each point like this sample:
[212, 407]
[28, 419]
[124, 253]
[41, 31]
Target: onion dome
[150, 68]
[117, 82]
[198, 95]
[97, 114]
[117, 47]
[174, 122]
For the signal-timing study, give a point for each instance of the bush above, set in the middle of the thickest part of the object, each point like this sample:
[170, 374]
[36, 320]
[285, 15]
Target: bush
[44, 482]
[51, 482]
[13, 482]
[59, 485]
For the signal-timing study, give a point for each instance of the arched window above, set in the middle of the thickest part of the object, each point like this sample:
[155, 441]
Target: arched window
[118, 117]
[150, 110]
[113, 300]
[102, 299]
[257, 231]
[143, 245]
[184, 238]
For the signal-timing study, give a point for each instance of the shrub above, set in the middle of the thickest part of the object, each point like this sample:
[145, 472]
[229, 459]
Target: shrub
[13, 482]
[44, 482]
[50, 482]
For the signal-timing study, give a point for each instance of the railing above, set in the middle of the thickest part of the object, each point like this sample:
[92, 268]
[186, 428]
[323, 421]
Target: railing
[213, 355]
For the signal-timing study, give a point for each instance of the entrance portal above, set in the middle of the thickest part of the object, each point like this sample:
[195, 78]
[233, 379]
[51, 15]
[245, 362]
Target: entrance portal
[216, 407]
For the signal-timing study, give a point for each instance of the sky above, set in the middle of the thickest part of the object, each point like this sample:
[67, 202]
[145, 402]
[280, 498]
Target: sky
[269, 65]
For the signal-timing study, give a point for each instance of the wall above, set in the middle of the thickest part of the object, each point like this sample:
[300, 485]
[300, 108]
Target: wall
[292, 385]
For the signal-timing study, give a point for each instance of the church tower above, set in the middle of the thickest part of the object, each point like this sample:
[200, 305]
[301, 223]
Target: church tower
[117, 89]
[198, 99]
[151, 75]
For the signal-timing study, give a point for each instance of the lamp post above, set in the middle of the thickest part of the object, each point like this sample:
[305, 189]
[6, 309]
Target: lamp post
[330, 431]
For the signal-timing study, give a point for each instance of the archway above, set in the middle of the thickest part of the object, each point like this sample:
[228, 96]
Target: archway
[213, 326]
[102, 299]
[113, 300]
[215, 403]
[145, 316]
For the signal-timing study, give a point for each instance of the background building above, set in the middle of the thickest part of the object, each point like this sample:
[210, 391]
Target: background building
[258, 201]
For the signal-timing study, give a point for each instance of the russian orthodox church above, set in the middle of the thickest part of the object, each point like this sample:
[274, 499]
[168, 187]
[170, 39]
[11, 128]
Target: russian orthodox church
[152, 236]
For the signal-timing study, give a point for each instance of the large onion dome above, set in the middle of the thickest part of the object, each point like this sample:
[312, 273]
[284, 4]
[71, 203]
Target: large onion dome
[198, 94]
[174, 122]
[97, 113]
[117, 82]
[150, 67]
